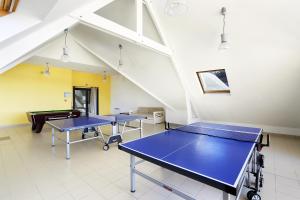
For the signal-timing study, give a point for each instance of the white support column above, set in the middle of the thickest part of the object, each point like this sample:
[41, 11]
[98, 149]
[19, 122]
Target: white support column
[139, 17]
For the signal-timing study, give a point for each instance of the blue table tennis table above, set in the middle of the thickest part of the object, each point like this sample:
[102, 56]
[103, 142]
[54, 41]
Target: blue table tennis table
[223, 156]
[95, 123]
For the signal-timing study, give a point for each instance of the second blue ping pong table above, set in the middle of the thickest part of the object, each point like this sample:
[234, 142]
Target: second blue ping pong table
[223, 156]
[95, 122]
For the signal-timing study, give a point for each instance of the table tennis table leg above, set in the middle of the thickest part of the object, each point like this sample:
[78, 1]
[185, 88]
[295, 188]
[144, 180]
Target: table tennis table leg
[226, 196]
[115, 129]
[123, 129]
[53, 137]
[248, 175]
[68, 146]
[132, 173]
[254, 161]
[141, 129]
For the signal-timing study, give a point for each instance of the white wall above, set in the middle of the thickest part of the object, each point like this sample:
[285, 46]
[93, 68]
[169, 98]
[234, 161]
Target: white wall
[127, 96]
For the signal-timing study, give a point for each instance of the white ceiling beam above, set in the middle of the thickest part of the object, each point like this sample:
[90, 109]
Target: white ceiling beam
[139, 17]
[92, 7]
[24, 48]
[100, 23]
[179, 71]
[116, 68]
[155, 19]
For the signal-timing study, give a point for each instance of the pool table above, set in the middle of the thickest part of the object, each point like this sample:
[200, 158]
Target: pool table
[38, 118]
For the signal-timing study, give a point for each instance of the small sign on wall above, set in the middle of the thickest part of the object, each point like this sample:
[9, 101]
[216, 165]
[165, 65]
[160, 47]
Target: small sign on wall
[67, 95]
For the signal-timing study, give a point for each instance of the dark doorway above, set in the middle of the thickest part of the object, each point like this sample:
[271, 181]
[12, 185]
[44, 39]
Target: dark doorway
[86, 100]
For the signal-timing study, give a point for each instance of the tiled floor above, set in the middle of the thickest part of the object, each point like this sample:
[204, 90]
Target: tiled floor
[31, 170]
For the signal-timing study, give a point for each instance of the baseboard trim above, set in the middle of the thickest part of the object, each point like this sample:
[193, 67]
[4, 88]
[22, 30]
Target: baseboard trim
[266, 128]
[14, 125]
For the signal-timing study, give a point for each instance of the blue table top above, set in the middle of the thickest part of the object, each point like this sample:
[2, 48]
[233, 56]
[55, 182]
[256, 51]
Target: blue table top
[86, 122]
[219, 159]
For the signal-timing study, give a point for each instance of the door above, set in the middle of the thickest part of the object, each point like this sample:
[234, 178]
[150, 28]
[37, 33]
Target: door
[86, 100]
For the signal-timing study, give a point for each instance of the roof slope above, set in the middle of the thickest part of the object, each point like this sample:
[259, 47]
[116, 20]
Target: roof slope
[262, 63]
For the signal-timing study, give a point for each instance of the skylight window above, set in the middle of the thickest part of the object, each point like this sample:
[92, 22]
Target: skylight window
[213, 81]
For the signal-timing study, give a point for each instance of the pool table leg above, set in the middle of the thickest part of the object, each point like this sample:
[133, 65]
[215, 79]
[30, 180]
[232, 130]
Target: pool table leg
[38, 127]
[68, 145]
[53, 137]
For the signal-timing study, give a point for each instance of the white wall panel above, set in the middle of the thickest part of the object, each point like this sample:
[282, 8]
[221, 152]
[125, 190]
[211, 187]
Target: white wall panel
[127, 96]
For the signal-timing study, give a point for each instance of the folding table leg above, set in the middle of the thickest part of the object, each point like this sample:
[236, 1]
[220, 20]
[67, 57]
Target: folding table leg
[114, 129]
[68, 146]
[132, 173]
[123, 128]
[53, 137]
[141, 129]
[248, 175]
[226, 196]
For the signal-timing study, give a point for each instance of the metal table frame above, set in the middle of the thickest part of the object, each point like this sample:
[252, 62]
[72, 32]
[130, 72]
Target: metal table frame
[115, 134]
[246, 177]
[250, 167]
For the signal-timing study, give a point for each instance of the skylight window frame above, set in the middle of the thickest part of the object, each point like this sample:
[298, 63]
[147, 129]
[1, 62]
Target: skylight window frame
[205, 91]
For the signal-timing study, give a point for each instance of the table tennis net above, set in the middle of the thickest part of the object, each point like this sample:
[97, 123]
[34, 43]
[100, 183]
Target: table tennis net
[118, 118]
[219, 133]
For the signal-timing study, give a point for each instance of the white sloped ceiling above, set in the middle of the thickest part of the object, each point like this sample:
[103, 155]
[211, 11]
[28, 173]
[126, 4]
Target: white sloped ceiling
[262, 63]
[151, 71]
[154, 72]
[79, 58]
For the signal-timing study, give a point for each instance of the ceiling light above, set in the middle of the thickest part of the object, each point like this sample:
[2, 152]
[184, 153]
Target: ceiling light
[224, 40]
[176, 7]
[120, 63]
[65, 57]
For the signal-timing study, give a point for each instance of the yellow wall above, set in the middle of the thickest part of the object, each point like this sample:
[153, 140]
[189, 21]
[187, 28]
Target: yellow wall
[82, 79]
[24, 88]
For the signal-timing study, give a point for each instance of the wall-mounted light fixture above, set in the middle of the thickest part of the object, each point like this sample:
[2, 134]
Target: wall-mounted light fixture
[176, 7]
[120, 63]
[65, 54]
[224, 39]
[46, 72]
[104, 76]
